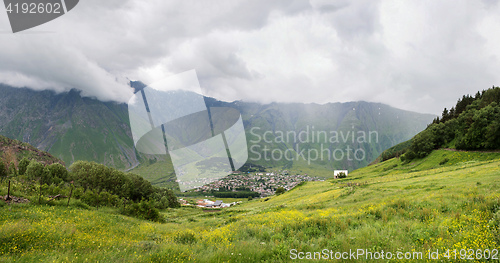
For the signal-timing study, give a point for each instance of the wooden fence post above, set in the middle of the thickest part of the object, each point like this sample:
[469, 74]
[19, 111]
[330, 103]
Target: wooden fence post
[8, 192]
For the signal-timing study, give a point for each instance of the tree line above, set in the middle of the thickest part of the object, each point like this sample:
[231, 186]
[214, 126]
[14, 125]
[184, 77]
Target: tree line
[472, 124]
[237, 194]
[95, 185]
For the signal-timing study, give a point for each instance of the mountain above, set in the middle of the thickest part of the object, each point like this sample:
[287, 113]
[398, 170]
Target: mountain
[67, 125]
[344, 135]
[72, 127]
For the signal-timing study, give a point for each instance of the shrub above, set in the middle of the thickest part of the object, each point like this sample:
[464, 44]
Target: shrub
[58, 171]
[34, 170]
[23, 165]
[165, 198]
[143, 210]
[46, 176]
[78, 192]
[80, 204]
[341, 175]
[185, 237]
[107, 199]
[395, 151]
[54, 190]
[12, 169]
[90, 198]
[97, 177]
[445, 160]
[280, 190]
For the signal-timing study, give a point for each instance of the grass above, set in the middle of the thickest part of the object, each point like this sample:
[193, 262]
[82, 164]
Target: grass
[160, 173]
[390, 206]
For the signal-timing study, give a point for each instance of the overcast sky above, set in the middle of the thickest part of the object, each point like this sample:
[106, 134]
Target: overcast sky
[414, 55]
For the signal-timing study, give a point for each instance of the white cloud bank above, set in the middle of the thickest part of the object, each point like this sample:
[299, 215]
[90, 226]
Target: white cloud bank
[418, 55]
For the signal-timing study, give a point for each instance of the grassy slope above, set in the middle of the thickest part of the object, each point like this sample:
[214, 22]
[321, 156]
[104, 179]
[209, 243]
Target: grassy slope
[160, 174]
[389, 206]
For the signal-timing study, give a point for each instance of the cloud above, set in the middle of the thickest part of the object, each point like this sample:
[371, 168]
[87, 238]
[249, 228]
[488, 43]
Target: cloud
[419, 56]
[50, 65]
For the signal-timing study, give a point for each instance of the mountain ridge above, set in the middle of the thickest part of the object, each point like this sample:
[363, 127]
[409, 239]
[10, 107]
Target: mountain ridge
[73, 127]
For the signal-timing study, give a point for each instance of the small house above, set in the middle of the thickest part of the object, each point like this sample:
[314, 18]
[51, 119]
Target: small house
[337, 172]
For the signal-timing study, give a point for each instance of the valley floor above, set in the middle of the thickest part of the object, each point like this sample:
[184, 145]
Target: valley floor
[449, 201]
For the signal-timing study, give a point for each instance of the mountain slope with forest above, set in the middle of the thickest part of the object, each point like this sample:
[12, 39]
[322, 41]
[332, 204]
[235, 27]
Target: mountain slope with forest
[472, 124]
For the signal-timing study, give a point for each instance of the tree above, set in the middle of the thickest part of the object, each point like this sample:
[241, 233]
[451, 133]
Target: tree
[493, 135]
[58, 171]
[280, 190]
[139, 188]
[483, 131]
[3, 170]
[422, 144]
[143, 210]
[463, 103]
[445, 115]
[34, 170]
[341, 175]
[452, 113]
[172, 199]
[165, 198]
[90, 198]
[23, 164]
[47, 177]
[12, 169]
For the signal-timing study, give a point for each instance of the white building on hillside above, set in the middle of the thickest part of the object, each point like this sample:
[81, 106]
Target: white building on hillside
[336, 173]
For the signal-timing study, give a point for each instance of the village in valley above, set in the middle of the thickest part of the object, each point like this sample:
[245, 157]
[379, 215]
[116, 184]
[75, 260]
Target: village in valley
[263, 183]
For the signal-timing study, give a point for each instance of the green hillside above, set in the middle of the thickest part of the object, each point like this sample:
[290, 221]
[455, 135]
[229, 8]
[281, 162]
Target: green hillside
[160, 173]
[448, 200]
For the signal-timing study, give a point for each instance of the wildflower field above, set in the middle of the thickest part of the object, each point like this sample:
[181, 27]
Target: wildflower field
[449, 201]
